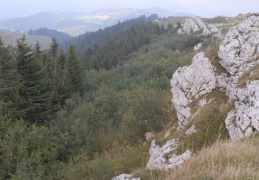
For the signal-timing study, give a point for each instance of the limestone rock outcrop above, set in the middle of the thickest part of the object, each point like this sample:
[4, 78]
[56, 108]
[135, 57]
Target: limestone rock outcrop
[191, 130]
[125, 177]
[197, 47]
[164, 158]
[196, 24]
[149, 136]
[189, 83]
[240, 46]
[244, 119]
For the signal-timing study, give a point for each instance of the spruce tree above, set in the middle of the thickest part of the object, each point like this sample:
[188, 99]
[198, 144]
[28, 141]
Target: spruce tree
[35, 92]
[76, 72]
[63, 83]
[9, 83]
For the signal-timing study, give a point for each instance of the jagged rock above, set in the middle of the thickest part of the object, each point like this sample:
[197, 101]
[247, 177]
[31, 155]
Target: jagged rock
[125, 177]
[239, 48]
[244, 119]
[191, 130]
[196, 24]
[178, 160]
[149, 136]
[189, 83]
[168, 133]
[163, 158]
[197, 47]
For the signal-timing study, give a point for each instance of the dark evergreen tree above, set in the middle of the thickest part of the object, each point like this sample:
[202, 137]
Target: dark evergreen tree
[35, 92]
[9, 83]
[37, 50]
[76, 72]
[54, 47]
[63, 83]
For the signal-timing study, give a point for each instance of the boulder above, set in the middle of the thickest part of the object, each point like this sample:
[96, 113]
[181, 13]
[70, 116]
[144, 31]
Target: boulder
[240, 46]
[164, 158]
[244, 119]
[189, 83]
[191, 130]
[149, 136]
[197, 47]
[125, 177]
[196, 24]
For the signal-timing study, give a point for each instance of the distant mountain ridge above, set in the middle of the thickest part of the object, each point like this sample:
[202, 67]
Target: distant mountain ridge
[76, 23]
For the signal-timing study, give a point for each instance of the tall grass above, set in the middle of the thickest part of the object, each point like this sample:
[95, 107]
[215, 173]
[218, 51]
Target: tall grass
[224, 160]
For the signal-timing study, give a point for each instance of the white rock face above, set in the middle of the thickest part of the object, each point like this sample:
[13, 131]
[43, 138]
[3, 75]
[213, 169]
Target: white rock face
[196, 24]
[125, 177]
[163, 158]
[197, 47]
[191, 130]
[189, 83]
[239, 48]
[244, 120]
[149, 136]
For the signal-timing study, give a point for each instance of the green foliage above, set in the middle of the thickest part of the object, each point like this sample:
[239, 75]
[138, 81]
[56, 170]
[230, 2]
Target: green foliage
[104, 112]
[35, 91]
[9, 85]
[27, 150]
[75, 71]
[61, 37]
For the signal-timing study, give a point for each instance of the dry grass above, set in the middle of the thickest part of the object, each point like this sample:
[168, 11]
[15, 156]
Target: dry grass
[146, 174]
[209, 123]
[246, 76]
[212, 54]
[223, 160]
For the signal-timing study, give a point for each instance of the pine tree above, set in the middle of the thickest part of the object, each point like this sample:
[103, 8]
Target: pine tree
[36, 92]
[9, 83]
[54, 47]
[63, 84]
[37, 50]
[76, 72]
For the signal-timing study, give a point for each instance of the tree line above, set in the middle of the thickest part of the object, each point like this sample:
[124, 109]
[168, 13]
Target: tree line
[35, 84]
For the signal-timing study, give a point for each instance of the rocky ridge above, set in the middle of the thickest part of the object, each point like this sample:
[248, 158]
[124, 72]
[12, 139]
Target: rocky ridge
[163, 158]
[194, 82]
[240, 46]
[238, 53]
[196, 24]
[190, 83]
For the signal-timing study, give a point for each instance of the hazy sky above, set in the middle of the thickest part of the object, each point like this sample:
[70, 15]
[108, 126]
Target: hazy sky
[203, 8]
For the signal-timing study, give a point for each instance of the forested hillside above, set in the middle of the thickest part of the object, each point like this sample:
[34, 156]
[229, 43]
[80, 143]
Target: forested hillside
[54, 111]
[61, 37]
[80, 110]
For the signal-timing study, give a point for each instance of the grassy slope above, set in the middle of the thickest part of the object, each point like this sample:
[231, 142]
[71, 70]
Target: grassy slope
[223, 160]
[9, 38]
[217, 157]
